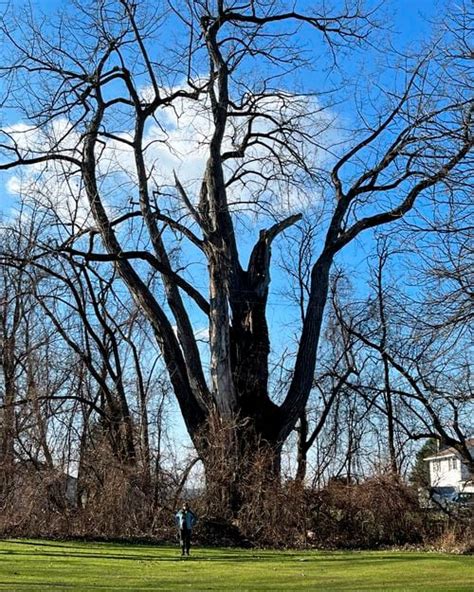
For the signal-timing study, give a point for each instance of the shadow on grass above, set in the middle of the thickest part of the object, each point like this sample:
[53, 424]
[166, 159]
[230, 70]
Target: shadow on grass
[88, 555]
[99, 551]
[58, 585]
[77, 545]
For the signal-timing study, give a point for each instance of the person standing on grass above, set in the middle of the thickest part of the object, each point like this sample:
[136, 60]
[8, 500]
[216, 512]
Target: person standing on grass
[185, 520]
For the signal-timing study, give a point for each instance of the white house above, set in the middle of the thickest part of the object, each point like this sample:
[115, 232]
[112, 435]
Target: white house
[448, 473]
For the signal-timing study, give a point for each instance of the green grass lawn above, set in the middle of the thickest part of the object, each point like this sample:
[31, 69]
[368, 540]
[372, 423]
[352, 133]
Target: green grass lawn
[51, 565]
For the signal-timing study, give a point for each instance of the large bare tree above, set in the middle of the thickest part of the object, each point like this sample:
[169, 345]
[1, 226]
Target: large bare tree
[99, 82]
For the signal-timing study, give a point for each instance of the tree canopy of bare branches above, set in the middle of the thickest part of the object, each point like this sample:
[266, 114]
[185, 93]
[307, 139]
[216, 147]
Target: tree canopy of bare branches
[102, 94]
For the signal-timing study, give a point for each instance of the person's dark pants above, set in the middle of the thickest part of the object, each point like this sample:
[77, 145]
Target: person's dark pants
[185, 540]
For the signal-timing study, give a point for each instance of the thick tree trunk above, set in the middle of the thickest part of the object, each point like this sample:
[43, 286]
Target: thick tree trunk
[219, 336]
[303, 375]
[237, 462]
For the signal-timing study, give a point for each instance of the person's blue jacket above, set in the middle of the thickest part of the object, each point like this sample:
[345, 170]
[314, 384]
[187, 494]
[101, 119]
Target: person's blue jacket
[185, 519]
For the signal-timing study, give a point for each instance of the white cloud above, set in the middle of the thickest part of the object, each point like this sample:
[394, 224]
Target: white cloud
[177, 141]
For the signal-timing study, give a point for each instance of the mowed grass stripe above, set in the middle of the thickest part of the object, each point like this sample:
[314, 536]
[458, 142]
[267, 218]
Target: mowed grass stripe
[79, 566]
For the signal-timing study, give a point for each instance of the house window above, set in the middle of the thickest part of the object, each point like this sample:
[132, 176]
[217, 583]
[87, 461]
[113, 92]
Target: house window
[453, 463]
[437, 465]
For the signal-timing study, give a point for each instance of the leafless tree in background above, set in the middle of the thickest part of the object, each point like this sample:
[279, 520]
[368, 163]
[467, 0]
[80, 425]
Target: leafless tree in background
[81, 390]
[414, 368]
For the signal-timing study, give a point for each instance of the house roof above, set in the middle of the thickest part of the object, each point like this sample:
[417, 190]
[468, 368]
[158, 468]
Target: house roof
[449, 452]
